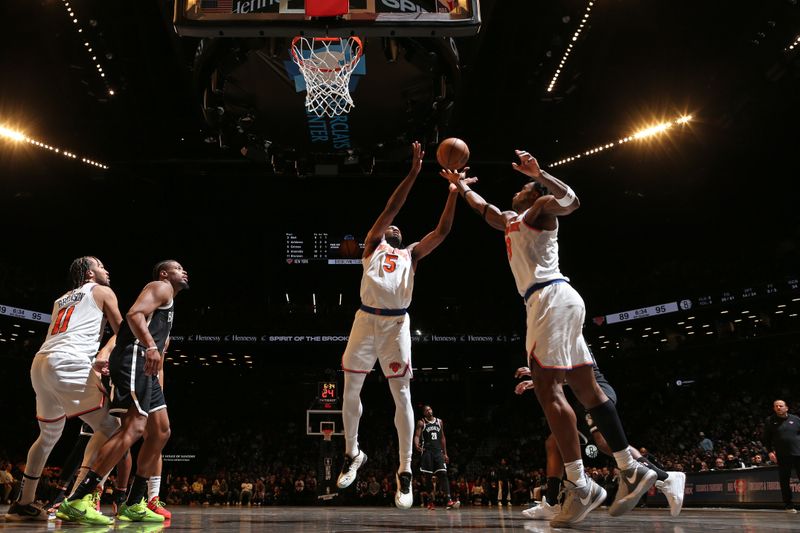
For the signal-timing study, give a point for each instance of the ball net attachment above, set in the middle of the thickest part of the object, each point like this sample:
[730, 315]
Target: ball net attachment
[326, 64]
[326, 433]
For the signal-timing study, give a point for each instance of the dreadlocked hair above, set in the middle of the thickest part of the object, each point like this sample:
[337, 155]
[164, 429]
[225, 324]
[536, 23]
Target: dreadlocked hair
[161, 265]
[78, 270]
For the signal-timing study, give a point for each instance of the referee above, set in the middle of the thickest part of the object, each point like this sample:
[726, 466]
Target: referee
[782, 438]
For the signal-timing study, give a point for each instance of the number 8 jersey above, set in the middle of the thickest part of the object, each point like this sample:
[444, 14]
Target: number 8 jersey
[76, 325]
[388, 279]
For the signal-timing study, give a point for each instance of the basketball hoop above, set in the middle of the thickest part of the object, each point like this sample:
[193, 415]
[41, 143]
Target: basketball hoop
[327, 433]
[326, 64]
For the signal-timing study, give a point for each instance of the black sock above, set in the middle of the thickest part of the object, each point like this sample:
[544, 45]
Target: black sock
[89, 484]
[661, 474]
[120, 495]
[607, 420]
[138, 490]
[445, 483]
[552, 490]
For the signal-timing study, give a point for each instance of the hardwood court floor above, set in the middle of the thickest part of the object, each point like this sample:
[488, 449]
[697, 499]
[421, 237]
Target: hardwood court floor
[379, 519]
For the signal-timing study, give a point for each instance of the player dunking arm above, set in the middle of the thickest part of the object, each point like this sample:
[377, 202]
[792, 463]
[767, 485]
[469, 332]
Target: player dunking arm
[381, 329]
[671, 484]
[429, 440]
[62, 375]
[134, 366]
[554, 340]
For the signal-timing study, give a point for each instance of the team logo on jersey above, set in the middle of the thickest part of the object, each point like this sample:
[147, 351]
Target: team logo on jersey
[395, 366]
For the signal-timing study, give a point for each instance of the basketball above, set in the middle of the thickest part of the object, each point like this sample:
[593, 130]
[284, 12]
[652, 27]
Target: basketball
[452, 153]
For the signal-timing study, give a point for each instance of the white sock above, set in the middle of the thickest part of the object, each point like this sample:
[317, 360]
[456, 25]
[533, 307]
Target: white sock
[574, 472]
[49, 433]
[625, 460]
[403, 420]
[351, 410]
[153, 487]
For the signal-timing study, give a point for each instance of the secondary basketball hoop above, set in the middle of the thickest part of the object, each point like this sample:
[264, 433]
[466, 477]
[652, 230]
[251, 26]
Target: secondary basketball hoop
[327, 433]
[327, 64]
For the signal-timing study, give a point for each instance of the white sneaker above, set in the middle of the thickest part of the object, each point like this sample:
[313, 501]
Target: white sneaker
[578, 502]
[633, 483]
[403, 498]
[350, 468]
[672, 488]
[542, 510]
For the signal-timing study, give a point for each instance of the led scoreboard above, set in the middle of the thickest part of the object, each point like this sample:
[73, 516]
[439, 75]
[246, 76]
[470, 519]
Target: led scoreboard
[323, 247]
[328, 392]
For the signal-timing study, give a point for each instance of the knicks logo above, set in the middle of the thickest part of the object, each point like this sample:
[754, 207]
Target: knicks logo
[395, 366]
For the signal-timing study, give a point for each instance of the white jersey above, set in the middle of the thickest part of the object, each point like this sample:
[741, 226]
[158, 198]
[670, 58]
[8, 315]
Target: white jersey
[388, 279]
[77, 324]
[532, 253]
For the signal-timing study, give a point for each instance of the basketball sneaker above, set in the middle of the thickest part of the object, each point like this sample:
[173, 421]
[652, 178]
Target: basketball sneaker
[83, 511]
[542, 510]
[157, 506]
[20, 513]
[431, 506]
[672, 488]
[633, 483]
[403, 498]
[578, 502]
[349, 469]
[138, 512]
[453, 504]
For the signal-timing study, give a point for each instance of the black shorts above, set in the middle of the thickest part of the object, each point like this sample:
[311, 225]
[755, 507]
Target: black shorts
[432, 462]
[130, 385]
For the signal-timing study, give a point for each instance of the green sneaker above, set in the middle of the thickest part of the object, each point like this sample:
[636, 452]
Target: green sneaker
[138, 512]
[83, 511]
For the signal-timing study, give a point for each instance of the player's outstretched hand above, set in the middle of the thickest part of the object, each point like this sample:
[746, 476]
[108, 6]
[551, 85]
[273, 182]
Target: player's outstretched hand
[522, 371]
[417, 153]
[101, 366]
[522, 386]
[527, 164]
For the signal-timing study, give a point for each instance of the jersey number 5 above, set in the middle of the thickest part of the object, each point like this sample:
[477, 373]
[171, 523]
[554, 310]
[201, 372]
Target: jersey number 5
[390, 262]
[61, 322]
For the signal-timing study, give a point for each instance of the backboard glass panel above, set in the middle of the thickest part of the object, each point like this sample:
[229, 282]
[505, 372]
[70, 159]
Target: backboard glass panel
[286, 18]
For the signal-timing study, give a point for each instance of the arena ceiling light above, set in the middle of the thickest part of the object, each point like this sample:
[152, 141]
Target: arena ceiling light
[88, 47]
[644, 133]
[570, 45]
[12, 135]
[795, 44]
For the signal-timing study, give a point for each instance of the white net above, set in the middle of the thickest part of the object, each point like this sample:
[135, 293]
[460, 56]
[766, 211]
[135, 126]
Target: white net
[327, 64]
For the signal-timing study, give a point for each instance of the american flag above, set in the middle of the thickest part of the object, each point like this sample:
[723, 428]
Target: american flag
[216, 6]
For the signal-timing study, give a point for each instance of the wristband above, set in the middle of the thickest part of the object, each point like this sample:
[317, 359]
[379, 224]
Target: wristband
[567, 199]
[151, 348]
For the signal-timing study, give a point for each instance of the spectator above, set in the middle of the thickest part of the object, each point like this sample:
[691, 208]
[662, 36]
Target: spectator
[246, 494]
[782, 438]
[705, 443]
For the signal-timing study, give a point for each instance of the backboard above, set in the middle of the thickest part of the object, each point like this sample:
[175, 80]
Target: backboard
[287, 18]
[319, 419]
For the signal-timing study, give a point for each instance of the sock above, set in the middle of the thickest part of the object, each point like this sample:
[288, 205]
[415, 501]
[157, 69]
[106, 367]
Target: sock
[138, 490]
[89, 484]
[120, 495]
[153, 487]
[606, 418]
[552, 490]
[351, 411]
[445, 484]
[403, 421]
[661, 474]
[574, 472]
[625, 460]
[27, 489]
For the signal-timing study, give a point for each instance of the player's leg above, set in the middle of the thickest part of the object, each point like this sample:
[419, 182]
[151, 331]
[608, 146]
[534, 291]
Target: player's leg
[357, 362]
[70, 467]
[404, 423]
[121, 482]
[154, 502]
[51, 416]
[635, 477]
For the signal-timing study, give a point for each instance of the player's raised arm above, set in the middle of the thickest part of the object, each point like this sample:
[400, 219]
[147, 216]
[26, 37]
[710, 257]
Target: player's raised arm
[491, 214]
[561, 201]
[433, 239]
[395, 203]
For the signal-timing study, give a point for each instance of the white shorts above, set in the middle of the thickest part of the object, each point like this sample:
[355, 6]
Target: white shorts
[65, 385]
[554, 336]
[379, 338]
